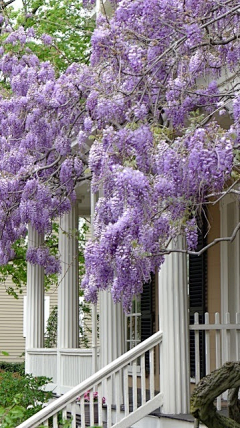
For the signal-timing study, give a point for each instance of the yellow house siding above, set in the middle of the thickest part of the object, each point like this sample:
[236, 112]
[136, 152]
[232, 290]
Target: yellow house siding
[11, 323]
[11, 326]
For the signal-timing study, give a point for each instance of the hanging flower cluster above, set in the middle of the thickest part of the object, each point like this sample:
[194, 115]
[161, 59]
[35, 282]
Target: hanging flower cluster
[161, 101]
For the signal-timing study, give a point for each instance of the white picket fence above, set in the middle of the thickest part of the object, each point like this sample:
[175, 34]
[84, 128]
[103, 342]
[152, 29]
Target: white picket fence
[222, 343]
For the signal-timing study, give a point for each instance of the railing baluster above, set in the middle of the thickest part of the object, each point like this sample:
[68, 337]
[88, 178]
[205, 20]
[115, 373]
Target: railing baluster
[82, 408]
[100, 403]
[64, 414]
[55, 421]
[109, 401]
[134, 384]
[126, 390]
[46, 424]
[118, 390]
[197, 358]
[73, 415]
[207, 344]
[91, 408]
[218, 353]
[151, 362]
[143, 380]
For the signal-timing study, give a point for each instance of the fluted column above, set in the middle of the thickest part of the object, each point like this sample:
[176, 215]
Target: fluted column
[173, 313]
[35, 297]
[68, 293]
[111, 329]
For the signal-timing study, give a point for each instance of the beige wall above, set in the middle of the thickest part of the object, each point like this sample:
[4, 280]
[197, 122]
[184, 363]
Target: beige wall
[11, 323]
[11, 326]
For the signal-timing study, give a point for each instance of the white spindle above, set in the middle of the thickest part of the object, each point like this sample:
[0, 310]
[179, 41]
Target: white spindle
[218, 352]
[82, 406]
[64, 414]
[134, 383]
[73, 414]
[126, 390]
[109, 401]
[117, 389]
[151, 362]
[91, 408]
[55, 421]
[143, 379]
[197, 355]
[100, 399]
[207, 344]
[46, 424]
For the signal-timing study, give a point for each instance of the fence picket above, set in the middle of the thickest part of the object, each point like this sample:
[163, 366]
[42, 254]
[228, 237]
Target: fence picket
[218, 353]
[207, 345]
[227, 343]
[228, 337]
[197, 349]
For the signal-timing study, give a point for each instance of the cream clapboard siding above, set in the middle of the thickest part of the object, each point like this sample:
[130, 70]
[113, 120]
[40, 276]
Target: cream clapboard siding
[11, 323]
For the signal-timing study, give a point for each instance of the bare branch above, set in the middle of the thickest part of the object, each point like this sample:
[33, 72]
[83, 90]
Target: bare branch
[199, 253]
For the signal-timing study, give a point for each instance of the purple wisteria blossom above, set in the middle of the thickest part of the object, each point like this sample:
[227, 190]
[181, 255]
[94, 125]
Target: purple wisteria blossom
[150, 106]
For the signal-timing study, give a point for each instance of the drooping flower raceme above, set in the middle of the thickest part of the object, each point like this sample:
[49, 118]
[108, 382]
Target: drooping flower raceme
[160, 76]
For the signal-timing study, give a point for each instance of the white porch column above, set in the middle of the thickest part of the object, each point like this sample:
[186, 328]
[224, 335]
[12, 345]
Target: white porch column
[173, 313]
[111, 333]
[68, 293]
[111, 329]
[35, 299]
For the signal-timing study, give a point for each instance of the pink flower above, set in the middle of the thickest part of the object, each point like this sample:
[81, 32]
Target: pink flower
[87, 397]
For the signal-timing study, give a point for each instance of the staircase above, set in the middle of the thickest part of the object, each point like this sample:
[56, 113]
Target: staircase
[129, 391]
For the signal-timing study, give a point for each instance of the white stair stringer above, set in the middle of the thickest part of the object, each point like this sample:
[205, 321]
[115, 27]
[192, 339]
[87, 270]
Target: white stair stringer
[141, 412]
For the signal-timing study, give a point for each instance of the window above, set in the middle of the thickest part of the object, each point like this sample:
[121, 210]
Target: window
[133, 324]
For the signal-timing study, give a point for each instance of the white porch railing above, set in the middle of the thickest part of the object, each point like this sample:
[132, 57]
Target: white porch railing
[66, 367]
[221, 343]
[124, 406]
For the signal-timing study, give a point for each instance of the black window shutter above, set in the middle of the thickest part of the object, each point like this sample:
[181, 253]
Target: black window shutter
[147, 315]
[197, 295]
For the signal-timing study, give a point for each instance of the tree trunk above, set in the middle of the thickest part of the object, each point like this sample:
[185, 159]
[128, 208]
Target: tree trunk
[209, 388]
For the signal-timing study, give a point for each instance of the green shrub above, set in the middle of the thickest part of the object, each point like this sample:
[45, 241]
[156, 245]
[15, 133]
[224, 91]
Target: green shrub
[21, 396]
[12, 367]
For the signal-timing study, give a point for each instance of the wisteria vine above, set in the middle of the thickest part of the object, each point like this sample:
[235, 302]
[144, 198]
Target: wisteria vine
[161, 98]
